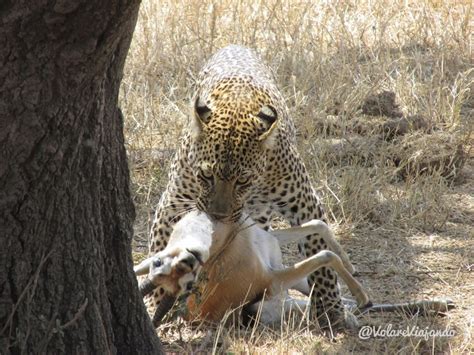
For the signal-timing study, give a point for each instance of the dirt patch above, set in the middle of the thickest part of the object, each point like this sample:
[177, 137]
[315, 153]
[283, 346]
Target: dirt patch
[424, 154]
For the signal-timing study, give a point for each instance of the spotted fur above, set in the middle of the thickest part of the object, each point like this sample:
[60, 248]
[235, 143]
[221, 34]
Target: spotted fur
[239, 152]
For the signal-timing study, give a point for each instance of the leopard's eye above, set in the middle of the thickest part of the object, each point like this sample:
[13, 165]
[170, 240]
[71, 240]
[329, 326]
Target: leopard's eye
[242, 180]
[206, 174]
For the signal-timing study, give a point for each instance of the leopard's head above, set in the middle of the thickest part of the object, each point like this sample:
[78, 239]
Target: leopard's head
[234, 126]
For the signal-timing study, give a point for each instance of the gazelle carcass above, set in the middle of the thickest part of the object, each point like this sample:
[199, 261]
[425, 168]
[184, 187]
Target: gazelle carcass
[241, 264]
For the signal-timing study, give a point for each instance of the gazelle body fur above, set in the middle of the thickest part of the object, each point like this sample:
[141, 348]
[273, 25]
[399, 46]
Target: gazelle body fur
[242, 264]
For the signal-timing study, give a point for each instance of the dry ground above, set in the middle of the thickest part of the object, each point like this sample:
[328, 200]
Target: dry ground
[381, 92]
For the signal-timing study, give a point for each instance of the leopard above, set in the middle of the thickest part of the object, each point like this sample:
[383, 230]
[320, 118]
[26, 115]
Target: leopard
[238, 154]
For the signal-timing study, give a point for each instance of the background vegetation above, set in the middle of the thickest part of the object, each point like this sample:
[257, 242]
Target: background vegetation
[381, 92]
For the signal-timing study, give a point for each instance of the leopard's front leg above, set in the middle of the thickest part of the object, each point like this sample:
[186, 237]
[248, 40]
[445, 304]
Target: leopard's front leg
[293, 197]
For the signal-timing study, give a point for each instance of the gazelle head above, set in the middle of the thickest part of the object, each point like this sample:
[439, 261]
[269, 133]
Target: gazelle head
[176, 267]
[174, 270]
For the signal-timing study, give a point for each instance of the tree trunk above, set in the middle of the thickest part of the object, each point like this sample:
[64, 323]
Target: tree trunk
[66, 278]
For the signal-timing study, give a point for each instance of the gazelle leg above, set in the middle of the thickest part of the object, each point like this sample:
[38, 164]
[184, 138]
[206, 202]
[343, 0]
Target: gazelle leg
[288, 277]
[285, 236]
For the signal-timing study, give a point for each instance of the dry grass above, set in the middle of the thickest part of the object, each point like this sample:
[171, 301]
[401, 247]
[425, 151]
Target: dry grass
[400, 198]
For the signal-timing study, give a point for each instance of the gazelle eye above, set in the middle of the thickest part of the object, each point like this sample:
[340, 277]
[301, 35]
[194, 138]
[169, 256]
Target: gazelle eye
[156, 262]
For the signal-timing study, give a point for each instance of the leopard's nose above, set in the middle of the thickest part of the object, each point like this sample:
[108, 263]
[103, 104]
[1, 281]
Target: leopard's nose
[220, 200]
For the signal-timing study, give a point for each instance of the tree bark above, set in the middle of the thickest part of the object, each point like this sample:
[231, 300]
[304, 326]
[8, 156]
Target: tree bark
[66, 278]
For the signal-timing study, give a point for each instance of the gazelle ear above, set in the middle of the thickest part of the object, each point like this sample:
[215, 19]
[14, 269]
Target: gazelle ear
[202, 111]
[144, 267]
[201, 115]
[269, 119]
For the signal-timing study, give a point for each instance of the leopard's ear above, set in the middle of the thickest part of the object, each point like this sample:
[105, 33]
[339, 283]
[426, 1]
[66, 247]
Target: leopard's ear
[201, 115]
[268, 117]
